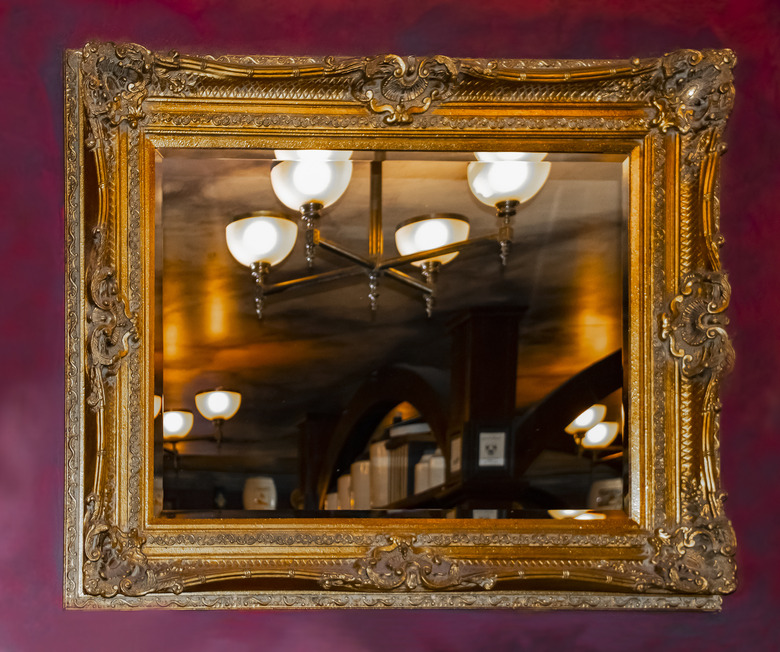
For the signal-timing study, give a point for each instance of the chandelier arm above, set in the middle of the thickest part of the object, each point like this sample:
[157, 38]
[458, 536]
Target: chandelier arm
[314, 279]
[346, 253]
[439, 251]
[406, 279]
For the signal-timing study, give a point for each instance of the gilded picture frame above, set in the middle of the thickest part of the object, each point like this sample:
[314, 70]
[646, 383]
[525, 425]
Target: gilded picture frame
[675, 549]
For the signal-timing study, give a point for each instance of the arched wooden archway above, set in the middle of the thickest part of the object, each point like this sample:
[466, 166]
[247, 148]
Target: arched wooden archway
[426, 388]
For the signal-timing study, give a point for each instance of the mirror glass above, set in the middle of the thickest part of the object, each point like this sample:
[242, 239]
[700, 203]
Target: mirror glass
[389, 412]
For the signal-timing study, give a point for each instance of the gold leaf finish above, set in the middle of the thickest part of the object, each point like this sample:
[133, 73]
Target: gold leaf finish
[666, 116]
[401, 565]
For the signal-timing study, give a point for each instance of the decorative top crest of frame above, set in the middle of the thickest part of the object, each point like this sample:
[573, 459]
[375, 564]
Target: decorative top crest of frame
[690, 90]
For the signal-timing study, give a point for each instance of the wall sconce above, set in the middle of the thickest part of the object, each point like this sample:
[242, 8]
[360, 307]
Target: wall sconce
[217, 406]
[576, 514]
[157, 405]
[311, 180]
[176, 426]
[589, 418]
[601, 435]
[427, 232]
[591, 431]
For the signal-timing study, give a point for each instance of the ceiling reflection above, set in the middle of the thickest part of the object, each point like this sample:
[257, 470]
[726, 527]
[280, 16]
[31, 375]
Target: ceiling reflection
[324, 379]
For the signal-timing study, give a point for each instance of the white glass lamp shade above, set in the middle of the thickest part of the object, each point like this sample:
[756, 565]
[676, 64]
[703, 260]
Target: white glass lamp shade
[177, 424]
[301, 182]
[218, 404]
[430, 232]
[261, 237]
[157, 405]
[510, 156]
[589, 418]
[566, 513]
[496, 181]
[576, 514]
[312, 155]
[601, 435]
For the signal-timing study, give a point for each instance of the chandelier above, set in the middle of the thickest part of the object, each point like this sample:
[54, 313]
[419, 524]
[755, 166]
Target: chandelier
[308, 181]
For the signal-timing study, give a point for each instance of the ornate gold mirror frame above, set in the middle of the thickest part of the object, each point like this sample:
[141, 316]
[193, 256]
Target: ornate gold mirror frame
[674, 549]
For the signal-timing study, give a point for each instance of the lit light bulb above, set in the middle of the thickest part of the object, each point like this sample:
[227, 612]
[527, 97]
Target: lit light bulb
[431, 234]
[218, 401]
[314, 176]
[261, 237]
[504, 176]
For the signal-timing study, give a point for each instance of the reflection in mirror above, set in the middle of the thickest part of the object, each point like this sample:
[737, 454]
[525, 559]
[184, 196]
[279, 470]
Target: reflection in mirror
[402, 334]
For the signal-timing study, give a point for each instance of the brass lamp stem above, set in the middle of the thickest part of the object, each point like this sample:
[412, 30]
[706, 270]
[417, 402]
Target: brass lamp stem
[218, 428]
[505, 211]
[373, 291]
[260, 273]
[430, 272]
[309, 213]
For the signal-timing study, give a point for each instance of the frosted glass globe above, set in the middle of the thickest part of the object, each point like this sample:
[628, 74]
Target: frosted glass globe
[498, 181]
[261, 237]
[177, 423]
[218, 404]
[430, 232]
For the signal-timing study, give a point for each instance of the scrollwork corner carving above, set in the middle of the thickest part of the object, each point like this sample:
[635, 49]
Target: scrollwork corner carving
[698, 557]
[695, 90]
[115, 562]
[402, 566]
[116, 80]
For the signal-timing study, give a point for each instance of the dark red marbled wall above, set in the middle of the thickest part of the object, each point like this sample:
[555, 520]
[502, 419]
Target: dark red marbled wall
[33, 35]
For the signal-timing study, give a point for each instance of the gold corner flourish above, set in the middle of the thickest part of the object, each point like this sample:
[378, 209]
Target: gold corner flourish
[695, 90]
[115, 562]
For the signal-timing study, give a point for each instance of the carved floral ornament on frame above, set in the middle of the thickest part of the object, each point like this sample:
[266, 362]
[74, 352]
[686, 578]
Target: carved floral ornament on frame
[676, 547]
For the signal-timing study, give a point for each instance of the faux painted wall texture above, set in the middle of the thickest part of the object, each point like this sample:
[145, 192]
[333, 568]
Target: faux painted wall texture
[33, 35]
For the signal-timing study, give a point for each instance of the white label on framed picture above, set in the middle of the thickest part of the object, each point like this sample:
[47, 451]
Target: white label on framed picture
[455, 454]
[491, 448]
[484, 513]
